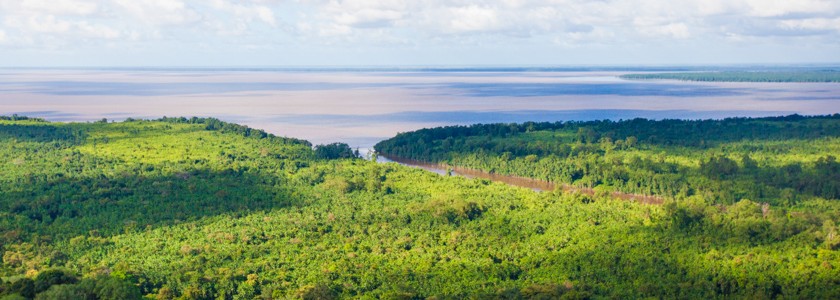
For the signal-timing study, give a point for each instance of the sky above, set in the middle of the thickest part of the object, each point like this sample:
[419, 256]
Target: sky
[93, 33]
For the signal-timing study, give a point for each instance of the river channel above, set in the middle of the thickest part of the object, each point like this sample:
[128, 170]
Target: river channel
[533, 184]
[536, 185]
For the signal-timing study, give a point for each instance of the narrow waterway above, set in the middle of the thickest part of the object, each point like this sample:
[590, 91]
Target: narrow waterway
[536, 185]
[533, 184]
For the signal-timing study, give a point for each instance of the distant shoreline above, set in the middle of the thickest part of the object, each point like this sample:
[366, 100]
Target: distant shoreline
[827, 76]
[455, 69]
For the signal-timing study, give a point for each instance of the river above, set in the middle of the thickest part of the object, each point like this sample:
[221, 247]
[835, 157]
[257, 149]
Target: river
[533, 184]
[536, 185]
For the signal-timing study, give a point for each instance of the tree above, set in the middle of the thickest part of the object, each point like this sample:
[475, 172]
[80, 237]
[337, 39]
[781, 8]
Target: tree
[587, 135]
[24, 286]
[52, 277]
[719, 167]
[63, 292]
[334, 151]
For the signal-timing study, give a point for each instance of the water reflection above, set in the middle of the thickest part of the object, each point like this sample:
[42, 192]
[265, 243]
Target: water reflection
[615, 89]
[361, 107]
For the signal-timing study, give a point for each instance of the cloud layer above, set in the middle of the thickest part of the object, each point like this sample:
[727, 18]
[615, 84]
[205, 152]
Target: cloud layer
[313, 31]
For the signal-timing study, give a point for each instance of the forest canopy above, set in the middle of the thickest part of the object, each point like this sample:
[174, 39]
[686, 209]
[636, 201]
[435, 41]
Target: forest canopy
[778, 160]
[191, 208]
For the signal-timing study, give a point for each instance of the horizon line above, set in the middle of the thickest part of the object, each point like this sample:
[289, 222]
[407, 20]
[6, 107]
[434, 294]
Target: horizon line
[433, 66]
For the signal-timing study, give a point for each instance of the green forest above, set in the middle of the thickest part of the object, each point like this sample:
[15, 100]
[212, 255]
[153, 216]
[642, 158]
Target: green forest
[744, 76]
[778, 160]
[196, 208]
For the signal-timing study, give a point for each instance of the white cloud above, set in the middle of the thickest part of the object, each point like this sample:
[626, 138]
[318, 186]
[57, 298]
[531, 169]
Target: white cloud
[158, 12]
[2, 36]
[777, 8]
[334, 30]
[342, 17]
[52, 25]
[813, 24]
[39, 24]
[661, 27]
[675, 30]
[97, 31]
[380, 24]
[473, 18]
[369, 18]
[595, 36]
[246, 13]
[704, 8]
[55, 7]
[266, 15]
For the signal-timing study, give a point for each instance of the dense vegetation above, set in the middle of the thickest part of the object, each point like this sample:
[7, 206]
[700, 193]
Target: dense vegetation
[335, 151]
[779, 160]
[182, 209]
[744, 76]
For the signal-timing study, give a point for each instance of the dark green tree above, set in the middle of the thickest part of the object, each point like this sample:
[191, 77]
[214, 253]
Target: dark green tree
[334, 151]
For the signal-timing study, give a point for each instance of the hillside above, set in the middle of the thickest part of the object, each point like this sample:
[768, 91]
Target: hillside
[200, 209]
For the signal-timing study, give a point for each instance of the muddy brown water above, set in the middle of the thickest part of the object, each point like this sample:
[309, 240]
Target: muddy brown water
[537, 185]
[530, 183]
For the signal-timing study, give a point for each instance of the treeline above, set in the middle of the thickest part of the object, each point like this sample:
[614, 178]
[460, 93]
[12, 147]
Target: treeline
[171, 210]
[16, 117]
[668, 132]
[725, 160]
[216, 124]
[740, 76]
[335, 151]
[61, 284]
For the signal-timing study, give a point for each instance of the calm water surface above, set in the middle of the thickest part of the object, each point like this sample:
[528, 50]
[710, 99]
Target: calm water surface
[361, 107]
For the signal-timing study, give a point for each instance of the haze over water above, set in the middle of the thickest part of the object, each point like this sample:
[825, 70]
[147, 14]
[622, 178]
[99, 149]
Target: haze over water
[363, 106]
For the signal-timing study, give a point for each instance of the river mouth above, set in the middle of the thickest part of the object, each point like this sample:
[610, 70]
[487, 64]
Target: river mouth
[361, 107]
[524, 182]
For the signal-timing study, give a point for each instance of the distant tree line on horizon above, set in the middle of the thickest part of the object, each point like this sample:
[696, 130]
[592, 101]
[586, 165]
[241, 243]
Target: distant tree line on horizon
[743, 76]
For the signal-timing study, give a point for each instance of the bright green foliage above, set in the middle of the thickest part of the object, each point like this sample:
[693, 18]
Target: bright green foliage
[775, 160]
[183, 210]
[736, 76]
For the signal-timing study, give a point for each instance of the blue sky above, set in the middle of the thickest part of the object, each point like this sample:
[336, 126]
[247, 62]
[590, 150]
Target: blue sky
[402, 32]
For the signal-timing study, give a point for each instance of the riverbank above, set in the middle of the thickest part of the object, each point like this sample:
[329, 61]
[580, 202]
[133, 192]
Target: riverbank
[530, 183]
